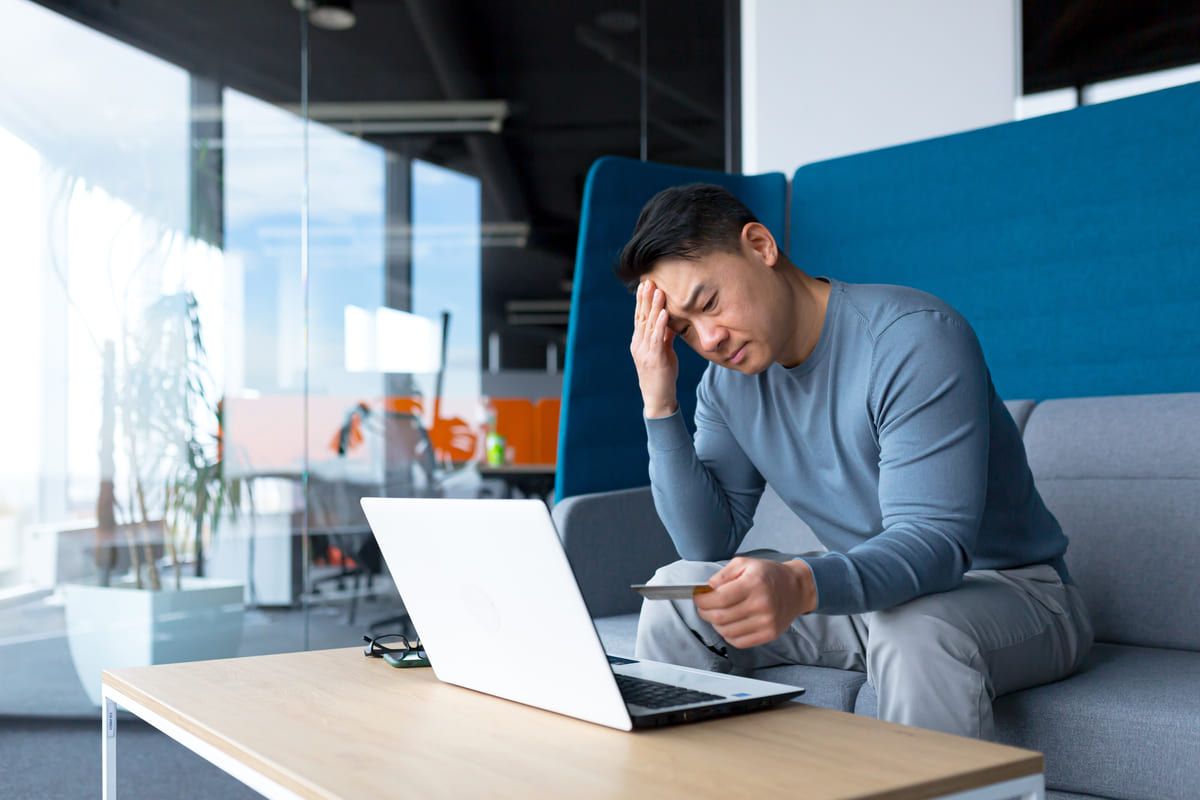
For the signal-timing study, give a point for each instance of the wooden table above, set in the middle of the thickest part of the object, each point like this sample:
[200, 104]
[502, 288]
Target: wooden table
[333, 724]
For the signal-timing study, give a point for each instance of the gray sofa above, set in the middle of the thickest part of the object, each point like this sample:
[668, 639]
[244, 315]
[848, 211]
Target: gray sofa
[1122, 474]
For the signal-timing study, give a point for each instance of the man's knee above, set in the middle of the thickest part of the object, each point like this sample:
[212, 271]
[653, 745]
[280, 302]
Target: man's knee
[671, 630]
[928, 672]
[682, 571]
[661, 619]
[909, 635]
[659, 614]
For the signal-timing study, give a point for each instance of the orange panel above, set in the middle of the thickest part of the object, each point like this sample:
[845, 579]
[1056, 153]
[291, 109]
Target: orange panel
[547, 429]
[516, 423]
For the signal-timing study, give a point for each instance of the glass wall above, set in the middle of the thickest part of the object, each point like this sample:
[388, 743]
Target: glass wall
[261, 262]
[115, 356]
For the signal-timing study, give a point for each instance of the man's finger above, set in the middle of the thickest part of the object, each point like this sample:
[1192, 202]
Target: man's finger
[651, 320]
[750, 640]
[642, 313]
[726, 596]
[738, 614]
[732, 615]
[728, 572]
[647, 308]
[745, 627]
[660, 329]
[647, 289]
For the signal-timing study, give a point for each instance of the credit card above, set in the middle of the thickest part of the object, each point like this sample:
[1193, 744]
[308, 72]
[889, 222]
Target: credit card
[683, 591]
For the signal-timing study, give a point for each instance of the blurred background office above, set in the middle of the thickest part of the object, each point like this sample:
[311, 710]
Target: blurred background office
[264, 257]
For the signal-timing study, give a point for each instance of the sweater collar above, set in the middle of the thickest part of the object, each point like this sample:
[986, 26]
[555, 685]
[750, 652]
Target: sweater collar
[822, 349]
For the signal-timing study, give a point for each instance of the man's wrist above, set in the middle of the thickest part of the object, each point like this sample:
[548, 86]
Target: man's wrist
[806, 586]
[659, 411]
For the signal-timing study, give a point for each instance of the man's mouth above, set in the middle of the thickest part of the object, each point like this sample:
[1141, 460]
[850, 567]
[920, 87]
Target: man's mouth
[738, 354]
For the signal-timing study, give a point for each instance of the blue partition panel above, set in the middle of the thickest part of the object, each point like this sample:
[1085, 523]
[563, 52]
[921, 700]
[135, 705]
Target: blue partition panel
[602, 440]
[1071, 242]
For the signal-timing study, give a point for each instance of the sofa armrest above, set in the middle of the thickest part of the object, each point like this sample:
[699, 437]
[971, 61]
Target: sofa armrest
[613, 539]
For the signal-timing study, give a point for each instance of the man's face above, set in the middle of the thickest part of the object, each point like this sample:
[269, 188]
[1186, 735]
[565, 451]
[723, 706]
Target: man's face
[731, 308]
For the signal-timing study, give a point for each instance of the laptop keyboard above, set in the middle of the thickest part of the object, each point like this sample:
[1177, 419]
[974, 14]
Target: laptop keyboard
[651, 694]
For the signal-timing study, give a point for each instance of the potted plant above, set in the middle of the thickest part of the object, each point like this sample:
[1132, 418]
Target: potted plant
[158, 508]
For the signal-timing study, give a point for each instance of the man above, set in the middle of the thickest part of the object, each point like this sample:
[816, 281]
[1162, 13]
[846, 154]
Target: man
[871, 412]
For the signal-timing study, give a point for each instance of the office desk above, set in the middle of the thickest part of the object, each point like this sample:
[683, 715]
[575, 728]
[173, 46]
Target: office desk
[333, 724]
[532, 480]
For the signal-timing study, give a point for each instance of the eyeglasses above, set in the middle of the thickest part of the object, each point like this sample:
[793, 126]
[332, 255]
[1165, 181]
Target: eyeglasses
[396, 649]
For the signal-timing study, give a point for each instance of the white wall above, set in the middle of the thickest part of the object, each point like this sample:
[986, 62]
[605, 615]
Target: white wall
[824, 78]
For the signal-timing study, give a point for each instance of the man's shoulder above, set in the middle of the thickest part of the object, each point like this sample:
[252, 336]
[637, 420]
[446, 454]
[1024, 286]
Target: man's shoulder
[879, 305]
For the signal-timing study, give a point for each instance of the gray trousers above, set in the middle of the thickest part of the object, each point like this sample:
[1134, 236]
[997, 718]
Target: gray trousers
[936, 662]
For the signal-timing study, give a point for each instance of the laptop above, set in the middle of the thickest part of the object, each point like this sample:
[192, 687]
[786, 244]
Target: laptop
[488, 587]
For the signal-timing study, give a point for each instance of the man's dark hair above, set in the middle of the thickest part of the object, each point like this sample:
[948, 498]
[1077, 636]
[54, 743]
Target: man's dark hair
[683, 222]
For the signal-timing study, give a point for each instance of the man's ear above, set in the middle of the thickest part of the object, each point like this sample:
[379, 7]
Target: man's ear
[759, 241]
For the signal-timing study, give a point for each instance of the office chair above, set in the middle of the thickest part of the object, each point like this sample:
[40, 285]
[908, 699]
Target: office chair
[400, 451]
[411, 470]
[336, 521]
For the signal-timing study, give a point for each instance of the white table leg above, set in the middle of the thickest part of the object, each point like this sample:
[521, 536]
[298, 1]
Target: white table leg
[108, 748]
[246, 774]
[1032, 787]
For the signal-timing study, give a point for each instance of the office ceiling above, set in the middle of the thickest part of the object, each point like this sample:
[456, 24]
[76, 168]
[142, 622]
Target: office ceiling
[569, 71]
[1074, 42]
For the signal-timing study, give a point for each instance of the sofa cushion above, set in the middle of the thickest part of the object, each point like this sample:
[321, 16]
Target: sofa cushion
[619, 634]
[613, 539]
[1127, 725]
[776, 527]
[1020, 411]
[828, 688]
[1122, 475]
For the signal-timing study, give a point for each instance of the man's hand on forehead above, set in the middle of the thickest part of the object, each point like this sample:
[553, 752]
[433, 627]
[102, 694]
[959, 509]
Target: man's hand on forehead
[673, 318]
[652, 351]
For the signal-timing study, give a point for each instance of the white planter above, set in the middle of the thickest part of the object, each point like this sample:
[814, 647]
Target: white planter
[273, 541]
[120, 626]
[10, 552]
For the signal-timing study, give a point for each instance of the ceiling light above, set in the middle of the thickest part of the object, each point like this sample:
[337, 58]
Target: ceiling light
[402, 117]
[332, 15]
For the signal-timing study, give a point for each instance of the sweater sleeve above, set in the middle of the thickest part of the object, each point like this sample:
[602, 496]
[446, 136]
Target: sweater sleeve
[705, 490]
[928, 401]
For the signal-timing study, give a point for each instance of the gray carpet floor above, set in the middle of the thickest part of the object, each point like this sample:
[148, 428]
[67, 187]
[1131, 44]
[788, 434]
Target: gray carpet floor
[52, 759]
[50, 731]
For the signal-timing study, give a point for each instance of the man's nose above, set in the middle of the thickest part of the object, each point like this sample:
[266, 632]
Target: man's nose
[711, 336]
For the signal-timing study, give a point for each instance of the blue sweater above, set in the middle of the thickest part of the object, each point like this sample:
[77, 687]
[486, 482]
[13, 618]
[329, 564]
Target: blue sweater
[888, 440]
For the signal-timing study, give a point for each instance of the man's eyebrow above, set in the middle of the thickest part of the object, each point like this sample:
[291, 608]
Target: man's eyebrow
[691, 301]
